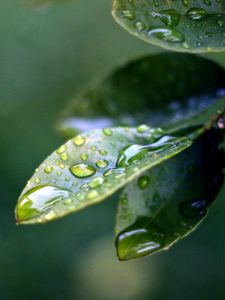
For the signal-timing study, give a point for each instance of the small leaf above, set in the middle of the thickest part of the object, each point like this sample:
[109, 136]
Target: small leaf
[166, 203]
[187, 26]
[156, 89]
[91, 167]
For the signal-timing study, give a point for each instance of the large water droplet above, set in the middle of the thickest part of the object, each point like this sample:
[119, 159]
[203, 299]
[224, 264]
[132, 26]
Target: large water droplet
[197, 14]
[168, 35]
[82, 170]
[37, 200]
[169, 17]
[140, 239]
[133, 153]
[79, 140]
[193, 209]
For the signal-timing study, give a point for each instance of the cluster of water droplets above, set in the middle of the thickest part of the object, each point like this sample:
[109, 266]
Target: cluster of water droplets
[185, 27]
[85, 170]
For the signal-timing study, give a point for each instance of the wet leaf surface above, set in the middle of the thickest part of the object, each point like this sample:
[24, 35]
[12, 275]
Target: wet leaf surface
[91, 167]
[166, 203]
[187, 26]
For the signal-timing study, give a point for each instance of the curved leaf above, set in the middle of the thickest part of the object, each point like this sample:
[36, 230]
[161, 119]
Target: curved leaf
[89, 168]
[156, 89]
[168, 202]
[187, 26]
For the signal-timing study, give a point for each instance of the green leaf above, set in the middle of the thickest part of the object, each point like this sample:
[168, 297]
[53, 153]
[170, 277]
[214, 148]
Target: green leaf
[91, 167]
[157, 89]
[188, 26]
[166, 203]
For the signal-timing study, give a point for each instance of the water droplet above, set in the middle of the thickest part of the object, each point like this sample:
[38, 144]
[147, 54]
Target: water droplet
[79, 140]
[220, 23]
[197, 14]
[48, 169]
[38, 200]
[143, 182]
[133, 153]
[64, 156]
[103, 152]
[124, 200]
[84, 156]
[142, 128]
[139, 25]
[186, 2]
[62, 149]
[92, 194]
[102, 163]
[96, 182]
[168, 35]
[37, 180]
[107, 132]
[169, 17]
[114, 172]
[82, 171]
[193, 209]
[68, 201]
[141, 238]
[130, 15]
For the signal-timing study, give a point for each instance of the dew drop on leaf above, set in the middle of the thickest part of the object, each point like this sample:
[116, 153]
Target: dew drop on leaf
[38, 200]
[64, 156]
[141, 238]
[92, 194]
[82, 170]
[107, 132]
[48, 169]
[169, 17]
[194, 209]
[96, 182]
[143, 182]
[142, 128]
[79, 140]
[102, 163]
[169, 35]
[61, 149]
[197, 14]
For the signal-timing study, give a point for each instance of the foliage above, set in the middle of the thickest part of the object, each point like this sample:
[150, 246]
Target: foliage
[186, 26]
[165, 170]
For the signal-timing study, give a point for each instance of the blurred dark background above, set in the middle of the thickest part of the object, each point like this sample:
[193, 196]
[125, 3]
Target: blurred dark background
[46, 55]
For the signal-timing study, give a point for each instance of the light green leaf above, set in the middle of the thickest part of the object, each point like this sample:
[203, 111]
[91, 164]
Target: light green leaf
[166, 203]
[158, 90]
[91, 167]
[187, 26]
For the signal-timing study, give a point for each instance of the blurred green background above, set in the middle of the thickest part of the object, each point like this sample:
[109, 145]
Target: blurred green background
[46, 55]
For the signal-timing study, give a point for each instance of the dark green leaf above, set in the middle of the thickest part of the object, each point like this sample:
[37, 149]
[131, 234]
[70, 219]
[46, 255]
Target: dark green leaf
[156, 89]
[91, 167]
[168, 202]
[187, 26]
